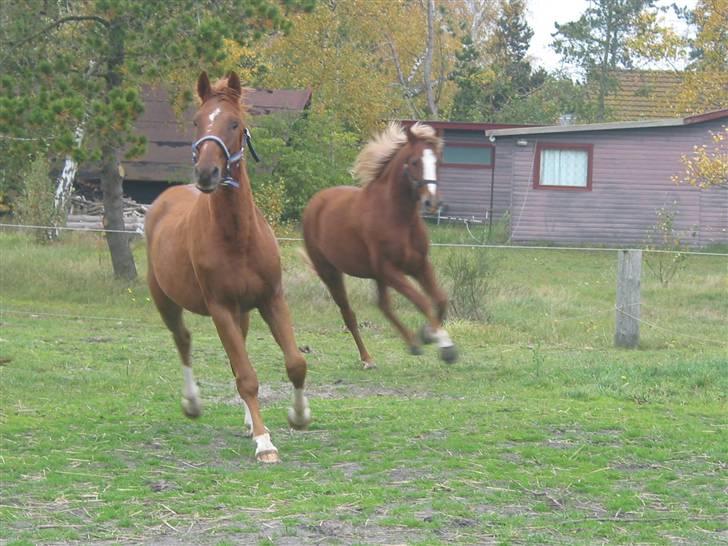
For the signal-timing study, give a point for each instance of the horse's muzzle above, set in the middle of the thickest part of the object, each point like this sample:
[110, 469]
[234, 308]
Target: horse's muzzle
[207, 178]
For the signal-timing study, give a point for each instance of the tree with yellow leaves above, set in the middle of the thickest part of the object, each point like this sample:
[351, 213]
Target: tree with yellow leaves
[705, 86]
[707, 165]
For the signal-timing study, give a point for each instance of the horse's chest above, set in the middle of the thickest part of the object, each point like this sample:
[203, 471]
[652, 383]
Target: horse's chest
[405, 256]
[235, 280]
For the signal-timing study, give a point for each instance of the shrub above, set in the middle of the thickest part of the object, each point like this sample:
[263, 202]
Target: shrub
[662, 237]
[35, 205]
[467, 274]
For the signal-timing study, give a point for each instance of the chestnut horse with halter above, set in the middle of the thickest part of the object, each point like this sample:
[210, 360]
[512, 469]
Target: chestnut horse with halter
[376, 232]
[210, 251]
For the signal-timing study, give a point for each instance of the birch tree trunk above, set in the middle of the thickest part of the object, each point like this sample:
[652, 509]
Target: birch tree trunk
[64, 184]
[427, 68]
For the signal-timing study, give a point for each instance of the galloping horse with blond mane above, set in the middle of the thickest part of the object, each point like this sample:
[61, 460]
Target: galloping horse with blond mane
[376, 232]
[211, 251]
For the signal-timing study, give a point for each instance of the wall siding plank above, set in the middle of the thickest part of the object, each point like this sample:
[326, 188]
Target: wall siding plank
[631, 180]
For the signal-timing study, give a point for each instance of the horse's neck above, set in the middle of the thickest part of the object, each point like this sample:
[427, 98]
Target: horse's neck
[232, 210]
[401, 203]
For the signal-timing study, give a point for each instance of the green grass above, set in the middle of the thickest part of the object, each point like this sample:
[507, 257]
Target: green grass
[543, 432]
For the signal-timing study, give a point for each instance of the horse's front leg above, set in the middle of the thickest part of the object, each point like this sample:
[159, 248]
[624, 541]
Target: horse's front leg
[228, 325]
[276, 314]
[428, 333]
[397, 280]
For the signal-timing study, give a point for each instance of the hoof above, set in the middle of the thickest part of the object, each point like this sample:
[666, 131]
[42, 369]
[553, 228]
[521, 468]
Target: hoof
[368, 365]
[426, 336]
[449, 354]
[192, 408]
[415, 350]
[268, 457]
[248, 431]
[299, 421]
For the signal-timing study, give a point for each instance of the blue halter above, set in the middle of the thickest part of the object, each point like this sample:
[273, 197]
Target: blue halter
[237, 157]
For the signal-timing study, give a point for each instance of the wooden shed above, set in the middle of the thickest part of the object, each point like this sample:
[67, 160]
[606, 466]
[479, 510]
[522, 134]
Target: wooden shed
[605, 183]
[168, 156]
[468, 188]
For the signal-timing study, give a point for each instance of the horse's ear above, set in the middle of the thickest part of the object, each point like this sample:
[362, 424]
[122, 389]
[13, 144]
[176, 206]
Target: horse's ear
[203, 86]
[234, 83]
[411, 138]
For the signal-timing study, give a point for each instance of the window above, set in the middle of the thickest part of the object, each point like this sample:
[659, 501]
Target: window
[563, 166]
[467, 149]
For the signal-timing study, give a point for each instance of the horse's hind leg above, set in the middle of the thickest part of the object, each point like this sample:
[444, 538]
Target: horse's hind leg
[334, 281]
[172, 316]
[276, 314]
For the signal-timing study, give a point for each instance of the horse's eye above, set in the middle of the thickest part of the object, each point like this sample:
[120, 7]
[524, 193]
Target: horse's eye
[415, 162]
[235, 125]
[194, 123]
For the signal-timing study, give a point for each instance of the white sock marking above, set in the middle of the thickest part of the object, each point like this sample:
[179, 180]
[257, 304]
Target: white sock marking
[248, 418]
[443, 339]
[192, 391]
[300, 402]
[263, 443]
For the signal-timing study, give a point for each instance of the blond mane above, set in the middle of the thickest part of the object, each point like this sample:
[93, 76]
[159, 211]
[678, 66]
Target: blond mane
[383, 147]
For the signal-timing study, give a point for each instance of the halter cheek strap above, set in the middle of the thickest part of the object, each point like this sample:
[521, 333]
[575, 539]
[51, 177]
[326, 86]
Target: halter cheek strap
[417, 183]
[237, 157]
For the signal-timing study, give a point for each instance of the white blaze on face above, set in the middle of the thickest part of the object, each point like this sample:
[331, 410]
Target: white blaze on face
[213, 116]
[429, 170]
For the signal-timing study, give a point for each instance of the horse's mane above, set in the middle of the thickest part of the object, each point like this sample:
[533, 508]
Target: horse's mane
[383, 147]
[221, 90]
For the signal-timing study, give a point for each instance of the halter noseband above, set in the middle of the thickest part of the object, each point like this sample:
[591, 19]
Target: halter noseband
[237, 157]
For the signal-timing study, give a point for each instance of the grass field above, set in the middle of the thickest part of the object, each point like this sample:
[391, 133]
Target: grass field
[543, 432]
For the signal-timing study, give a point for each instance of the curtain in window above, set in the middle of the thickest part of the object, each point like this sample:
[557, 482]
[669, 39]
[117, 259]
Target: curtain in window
[564, 168]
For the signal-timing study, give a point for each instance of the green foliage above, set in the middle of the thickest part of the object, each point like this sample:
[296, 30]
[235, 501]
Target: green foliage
[95, 56]
[484, 90]
[270, 197]
[556, 96]
[663, 237]
[304, 154]
[599, 41]
[35, 205]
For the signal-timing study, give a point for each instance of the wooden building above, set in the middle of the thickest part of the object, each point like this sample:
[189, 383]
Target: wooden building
[168, 156]
[604, 183]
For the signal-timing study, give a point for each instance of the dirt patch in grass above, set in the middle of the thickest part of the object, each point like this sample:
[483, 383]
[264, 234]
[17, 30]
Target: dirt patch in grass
[269, 394]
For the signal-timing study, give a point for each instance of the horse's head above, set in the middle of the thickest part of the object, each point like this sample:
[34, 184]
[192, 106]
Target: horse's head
[220, 133]
[420, 167]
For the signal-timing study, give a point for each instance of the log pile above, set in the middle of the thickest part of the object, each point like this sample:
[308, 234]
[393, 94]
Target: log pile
[87, 214]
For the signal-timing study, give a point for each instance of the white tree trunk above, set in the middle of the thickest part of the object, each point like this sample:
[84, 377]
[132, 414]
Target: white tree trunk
[431, 104]
[64, 184]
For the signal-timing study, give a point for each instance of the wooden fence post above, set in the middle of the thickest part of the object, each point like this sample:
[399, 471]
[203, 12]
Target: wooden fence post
[629, 269]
